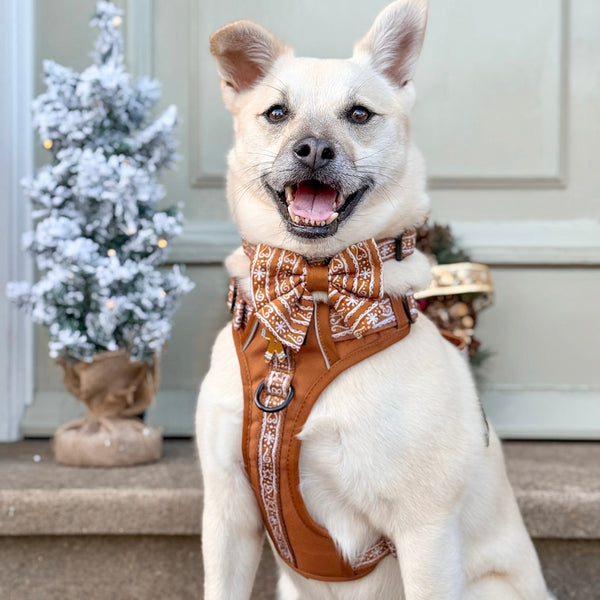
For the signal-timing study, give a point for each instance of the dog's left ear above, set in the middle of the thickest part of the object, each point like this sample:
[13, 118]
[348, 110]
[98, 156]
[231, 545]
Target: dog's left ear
[394, 42]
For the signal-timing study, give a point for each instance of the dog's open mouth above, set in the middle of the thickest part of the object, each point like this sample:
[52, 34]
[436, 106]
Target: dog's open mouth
[315, 209]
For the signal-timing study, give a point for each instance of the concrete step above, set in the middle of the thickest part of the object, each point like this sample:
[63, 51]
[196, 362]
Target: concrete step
[134, 533]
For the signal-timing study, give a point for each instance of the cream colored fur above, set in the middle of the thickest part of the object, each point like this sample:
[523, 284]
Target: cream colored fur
[396, 444]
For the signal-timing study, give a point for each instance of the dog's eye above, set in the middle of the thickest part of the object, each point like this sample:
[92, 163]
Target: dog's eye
[359, 114]
[276, 113]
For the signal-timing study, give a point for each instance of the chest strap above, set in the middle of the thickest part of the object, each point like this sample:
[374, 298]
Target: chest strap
[271, 448]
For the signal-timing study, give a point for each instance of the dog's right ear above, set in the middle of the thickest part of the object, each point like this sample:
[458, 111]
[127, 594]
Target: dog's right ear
[244, 52]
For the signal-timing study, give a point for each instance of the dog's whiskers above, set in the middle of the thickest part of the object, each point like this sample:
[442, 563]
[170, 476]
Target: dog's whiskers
[384, 149]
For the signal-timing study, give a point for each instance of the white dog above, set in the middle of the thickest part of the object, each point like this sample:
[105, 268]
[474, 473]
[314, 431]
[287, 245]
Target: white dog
[396, 444]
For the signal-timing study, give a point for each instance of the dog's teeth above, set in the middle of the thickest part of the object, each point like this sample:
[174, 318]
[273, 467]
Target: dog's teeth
[311, 222]
[289, 194]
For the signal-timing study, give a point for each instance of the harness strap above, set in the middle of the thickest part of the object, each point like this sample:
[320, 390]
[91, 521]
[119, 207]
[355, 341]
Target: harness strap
[279, 394]
[271, 448]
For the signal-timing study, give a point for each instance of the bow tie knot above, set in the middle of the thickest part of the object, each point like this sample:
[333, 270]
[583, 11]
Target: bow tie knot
[283, 284]
[317, 278]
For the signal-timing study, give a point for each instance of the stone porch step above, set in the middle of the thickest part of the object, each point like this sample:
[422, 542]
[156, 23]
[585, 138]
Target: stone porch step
[134, 533]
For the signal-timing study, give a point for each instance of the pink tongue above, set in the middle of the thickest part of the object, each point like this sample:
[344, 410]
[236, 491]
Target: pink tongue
[313, 201]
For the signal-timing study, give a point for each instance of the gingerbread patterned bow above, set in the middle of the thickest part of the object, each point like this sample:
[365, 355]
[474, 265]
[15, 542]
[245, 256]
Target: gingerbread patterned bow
[283, 284]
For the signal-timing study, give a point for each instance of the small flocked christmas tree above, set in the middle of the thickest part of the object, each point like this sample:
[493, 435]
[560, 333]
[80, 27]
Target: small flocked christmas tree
[99, 237]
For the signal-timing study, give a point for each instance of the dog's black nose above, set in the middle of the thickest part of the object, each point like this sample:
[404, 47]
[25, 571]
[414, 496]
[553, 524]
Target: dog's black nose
[314, 153]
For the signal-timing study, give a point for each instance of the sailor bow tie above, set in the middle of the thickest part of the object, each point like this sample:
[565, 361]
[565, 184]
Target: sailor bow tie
[283, 284]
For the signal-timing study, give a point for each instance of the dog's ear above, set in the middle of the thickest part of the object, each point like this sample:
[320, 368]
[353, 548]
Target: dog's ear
[393, 43]
[244, 52]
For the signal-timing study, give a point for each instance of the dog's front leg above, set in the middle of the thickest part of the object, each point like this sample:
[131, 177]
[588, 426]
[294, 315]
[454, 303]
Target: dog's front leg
[231, 539]
[232, 530]
[430, 560]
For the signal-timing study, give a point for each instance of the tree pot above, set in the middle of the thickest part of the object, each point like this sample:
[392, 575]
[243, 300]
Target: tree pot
[115, 390]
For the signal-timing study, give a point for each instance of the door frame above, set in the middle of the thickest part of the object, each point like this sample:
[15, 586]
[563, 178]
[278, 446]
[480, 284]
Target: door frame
[16, 161]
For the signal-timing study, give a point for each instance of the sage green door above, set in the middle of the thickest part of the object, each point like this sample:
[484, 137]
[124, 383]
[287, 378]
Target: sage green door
[508, 118]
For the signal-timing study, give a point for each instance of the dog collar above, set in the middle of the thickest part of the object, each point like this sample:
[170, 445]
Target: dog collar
[397, 248]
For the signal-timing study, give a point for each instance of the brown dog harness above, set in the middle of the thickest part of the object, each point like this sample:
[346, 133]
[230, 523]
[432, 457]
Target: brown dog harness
[281, 383]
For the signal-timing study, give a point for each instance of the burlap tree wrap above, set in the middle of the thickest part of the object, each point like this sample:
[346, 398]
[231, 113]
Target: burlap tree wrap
[115, 390]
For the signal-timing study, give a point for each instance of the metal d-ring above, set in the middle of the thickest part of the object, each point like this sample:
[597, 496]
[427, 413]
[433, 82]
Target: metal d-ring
[271, 409]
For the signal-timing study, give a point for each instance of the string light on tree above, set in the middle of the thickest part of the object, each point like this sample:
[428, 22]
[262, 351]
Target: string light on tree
[162, 243]
[117, 21]
[48, 144]
[112, 252]
[110, 304]
[131, 231]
